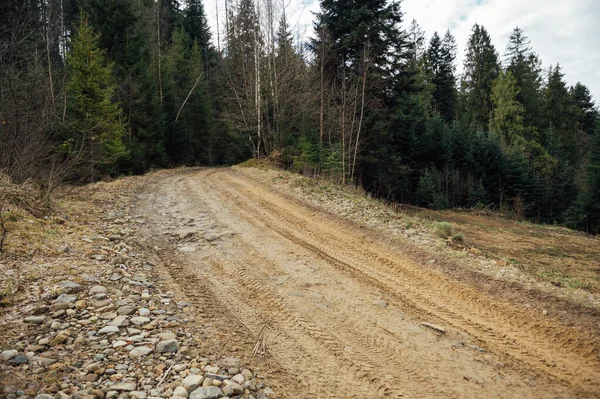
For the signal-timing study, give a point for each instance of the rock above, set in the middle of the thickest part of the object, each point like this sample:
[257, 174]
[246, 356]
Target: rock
[56, 307]
[192, 382]
[233, 389]
[247, 374]
[167, 346]
[44, 396]
[18, 360]
[434, 327]
[69, 287]
[380, 302]
[166, 336]
[124, 386]
[126, 310]
[47, 362]
[111, 395]
[35, 319]
[97, 289]
[139, 320]
[137, 394]
[64, 298]
[119, 321]
[144, 312]
[206, 393]
[139, 352]
[108, 330]
[180, 392]
[7, 355]
[60, 338]
[108, 316]
[187, 249]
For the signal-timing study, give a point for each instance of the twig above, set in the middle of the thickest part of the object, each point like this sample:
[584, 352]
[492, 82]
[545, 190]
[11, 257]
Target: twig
[261, 344]
[165, 376]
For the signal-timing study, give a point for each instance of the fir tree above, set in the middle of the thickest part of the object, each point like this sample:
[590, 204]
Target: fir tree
[481, 69]
[95, 131]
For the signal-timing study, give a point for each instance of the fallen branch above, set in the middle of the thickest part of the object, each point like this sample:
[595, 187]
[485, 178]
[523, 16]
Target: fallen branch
[187, 98]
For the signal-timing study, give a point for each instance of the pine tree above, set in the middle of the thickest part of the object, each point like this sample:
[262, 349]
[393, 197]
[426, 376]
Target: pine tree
[525, 66]
[441, 54]
[561, 113]
[507, 119]
[95, 130]
[481, 69]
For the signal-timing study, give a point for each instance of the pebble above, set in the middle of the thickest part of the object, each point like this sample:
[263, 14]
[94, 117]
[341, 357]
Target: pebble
[124, 386]
[97, 289]
[180, 392]
[34, 319]
[126, 310]
[64, 298]
[9, 354]
[139, 352]
[108, 330]
[206, 393]
[167, 346]
[192, 382]
[139, 320]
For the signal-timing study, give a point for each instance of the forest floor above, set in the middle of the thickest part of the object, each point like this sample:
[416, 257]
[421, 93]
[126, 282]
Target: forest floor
[327, 293]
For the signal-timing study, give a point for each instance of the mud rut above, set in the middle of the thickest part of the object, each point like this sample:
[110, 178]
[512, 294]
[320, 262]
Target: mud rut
[315, 281]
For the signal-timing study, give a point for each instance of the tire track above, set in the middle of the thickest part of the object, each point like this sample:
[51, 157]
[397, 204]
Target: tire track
[509, 332]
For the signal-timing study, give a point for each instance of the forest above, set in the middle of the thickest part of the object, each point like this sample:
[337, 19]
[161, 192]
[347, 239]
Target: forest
[97, 88]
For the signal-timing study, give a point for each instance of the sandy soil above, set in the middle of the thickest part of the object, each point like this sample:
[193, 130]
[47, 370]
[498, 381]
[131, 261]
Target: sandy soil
[343, 304]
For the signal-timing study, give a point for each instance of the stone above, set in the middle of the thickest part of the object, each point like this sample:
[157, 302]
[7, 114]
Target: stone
[108, 330]
[44, 396]
[247, 374]
[434, 327]
[18, 360]
[166, 336]
[144, 312]
[124, 386]
[238, 379]
[108, 316]
[140, 351]
[180, 392]
[187, 249]
[64, 298]
[139, 320]
[35, 319]
[381, 303]
[47, 362]
[119, 321]
[192, 382]
[167, 346]
[233, 389]
[56, 307]
[97, 289]
[137, 394]
[126, 310]
[60, 338]
[7, 355]
[206, 393]
[69, 287]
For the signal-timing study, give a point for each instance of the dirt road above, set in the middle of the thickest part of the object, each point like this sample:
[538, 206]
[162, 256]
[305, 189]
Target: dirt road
[343, 307]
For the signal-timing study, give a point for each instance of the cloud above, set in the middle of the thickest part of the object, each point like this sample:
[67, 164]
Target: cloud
[561, 31]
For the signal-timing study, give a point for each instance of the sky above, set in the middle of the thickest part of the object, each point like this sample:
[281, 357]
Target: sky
[561, 31]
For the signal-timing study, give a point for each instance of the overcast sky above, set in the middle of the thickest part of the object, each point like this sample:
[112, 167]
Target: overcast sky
[563, 31]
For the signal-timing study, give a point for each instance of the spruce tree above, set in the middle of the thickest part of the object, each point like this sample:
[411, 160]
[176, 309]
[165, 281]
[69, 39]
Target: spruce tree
[441, 55]
[481, 68]
[95, 131]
